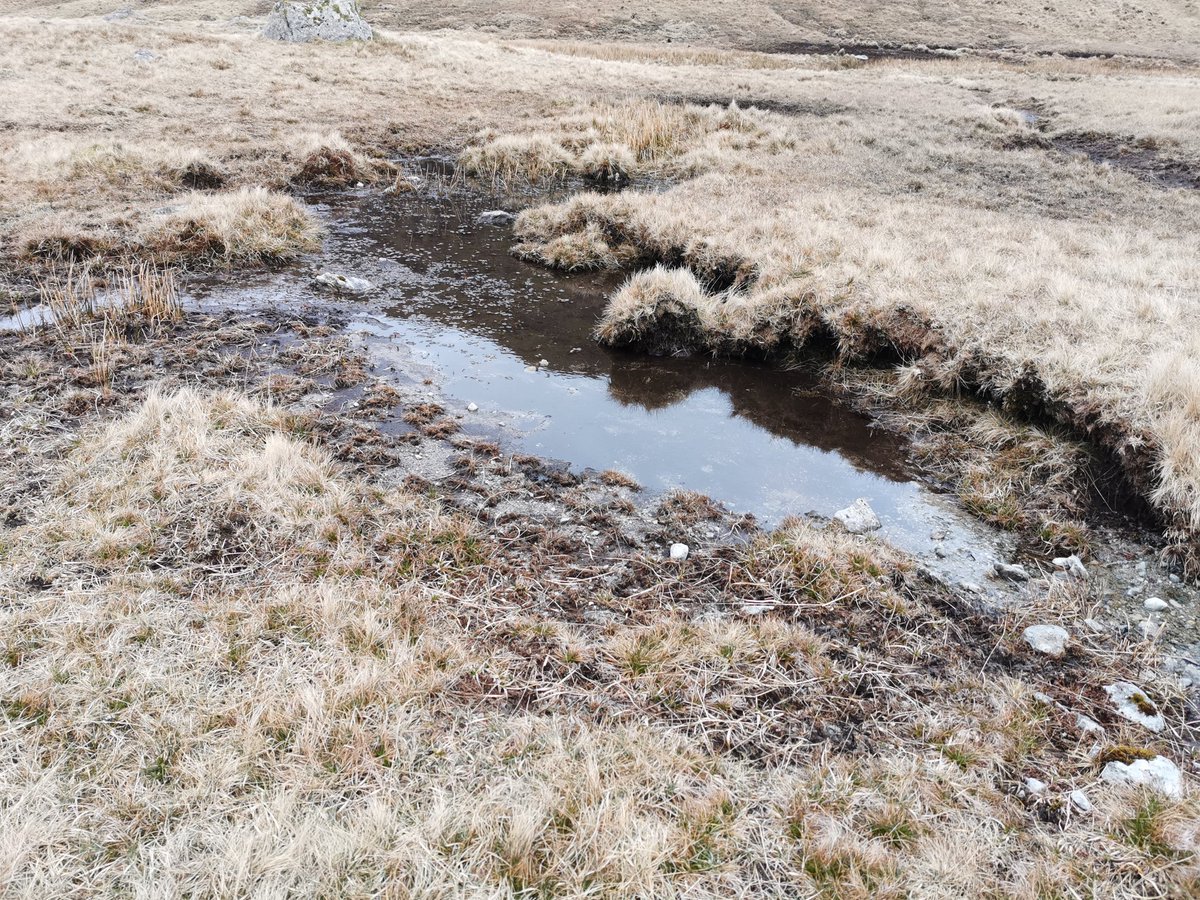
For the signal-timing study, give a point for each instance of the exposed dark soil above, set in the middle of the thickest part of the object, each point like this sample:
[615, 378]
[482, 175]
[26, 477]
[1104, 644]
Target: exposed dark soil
[1139, 158]
[819, 108]
[871, 52]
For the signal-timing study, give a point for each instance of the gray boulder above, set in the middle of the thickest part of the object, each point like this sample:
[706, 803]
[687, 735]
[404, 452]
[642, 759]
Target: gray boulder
[317, 20]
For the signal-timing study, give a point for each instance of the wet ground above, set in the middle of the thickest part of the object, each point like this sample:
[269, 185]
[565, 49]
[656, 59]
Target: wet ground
[451, 306]
[505, 346]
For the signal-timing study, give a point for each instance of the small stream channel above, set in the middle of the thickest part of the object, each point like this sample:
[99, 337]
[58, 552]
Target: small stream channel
[449, 298]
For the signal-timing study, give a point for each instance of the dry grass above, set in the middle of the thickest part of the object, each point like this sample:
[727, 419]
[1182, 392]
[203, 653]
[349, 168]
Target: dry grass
[231, 668]
[247, 226]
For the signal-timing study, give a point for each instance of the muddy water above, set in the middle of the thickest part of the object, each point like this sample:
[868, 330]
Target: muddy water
[450, 302]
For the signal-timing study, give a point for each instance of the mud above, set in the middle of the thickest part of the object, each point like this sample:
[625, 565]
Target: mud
[1144, 161]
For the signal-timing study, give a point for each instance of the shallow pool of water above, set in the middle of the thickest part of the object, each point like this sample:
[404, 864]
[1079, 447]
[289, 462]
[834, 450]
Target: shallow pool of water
[514, 338]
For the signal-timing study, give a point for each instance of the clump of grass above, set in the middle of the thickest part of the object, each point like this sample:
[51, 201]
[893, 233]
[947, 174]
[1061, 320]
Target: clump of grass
[685, 509]
[328, 161]
[613, 478]
[248, 225]
[609, 164]
[134, 300]
[1122, 753]
[660, 309]
[63, 243]
[199, 174]
[580, 251]
[510, 159]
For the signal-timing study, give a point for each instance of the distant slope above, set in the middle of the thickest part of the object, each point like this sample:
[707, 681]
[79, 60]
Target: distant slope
[1165, 28]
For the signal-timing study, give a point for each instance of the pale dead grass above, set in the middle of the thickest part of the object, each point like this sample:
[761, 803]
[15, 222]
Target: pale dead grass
[230, 668]
[245, 226]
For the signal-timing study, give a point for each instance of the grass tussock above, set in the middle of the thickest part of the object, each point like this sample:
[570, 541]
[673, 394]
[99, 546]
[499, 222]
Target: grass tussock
[329, 161]
[246, 226]
[215, 638]
[612, 143]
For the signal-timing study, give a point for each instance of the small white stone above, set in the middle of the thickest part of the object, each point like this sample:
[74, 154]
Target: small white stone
[1072, 565]
[1048, 639]
[531, 368]
[858, 517]
[343, 284]
[495, 217]
[543, 363]
[472, 407]
[1011, 572]
[1159, 774]
[1035, 785]
[679, 552]
[359, 184]
[1080, 801]
[1085, 724]
[1155, 604]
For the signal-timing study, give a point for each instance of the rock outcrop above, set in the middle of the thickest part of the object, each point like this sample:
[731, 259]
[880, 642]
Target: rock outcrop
[317, 20]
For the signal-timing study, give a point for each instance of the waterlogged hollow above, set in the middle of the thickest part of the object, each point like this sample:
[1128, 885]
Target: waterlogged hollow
[449, 299]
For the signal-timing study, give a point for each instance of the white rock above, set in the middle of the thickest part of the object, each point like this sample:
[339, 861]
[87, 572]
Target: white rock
[531, 368]
[1155, 604]
[316, 20]
[343, 284]
[1011, 572]
[1128, 698]
[1089, 725]
[1159, 774]
[543, 363]
[1080, 801]
[679, 552]
[1048, 639]
[495, 217]
[1035, 785]
[472, 407]
[858, 517]
[1072, 565]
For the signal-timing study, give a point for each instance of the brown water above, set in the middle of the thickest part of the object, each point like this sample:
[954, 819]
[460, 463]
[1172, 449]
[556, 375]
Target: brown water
[450, 298]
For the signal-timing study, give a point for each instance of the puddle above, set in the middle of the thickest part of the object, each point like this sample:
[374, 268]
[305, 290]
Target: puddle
[27, 317]
[450, 300]
[818, 108]
[864, 52]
